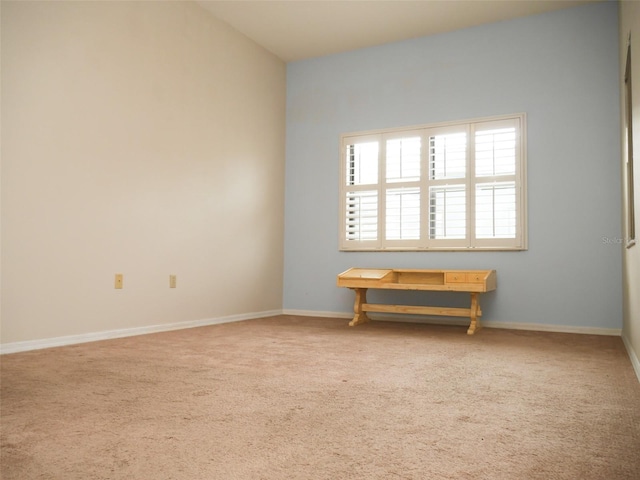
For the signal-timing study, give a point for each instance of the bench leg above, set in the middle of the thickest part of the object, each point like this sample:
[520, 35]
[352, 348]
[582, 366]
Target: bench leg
[475, 314]
[360, 315]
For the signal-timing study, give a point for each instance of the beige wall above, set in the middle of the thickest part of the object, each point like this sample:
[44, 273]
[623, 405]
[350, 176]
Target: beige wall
[145, 138]
[630, 25]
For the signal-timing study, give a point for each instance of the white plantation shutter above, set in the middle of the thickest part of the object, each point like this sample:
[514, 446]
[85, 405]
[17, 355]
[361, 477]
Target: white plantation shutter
[497, 203]
[360, 187]
[403, 214]
[402, 192]
[362, 215]
[450, 186]
[447, 186]
[447, 212]
[362, 159]
[495, 152]
[447, 155]
[403, 159]
[496, 210]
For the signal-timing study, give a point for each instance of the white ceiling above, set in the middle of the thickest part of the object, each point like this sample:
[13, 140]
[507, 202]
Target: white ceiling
[299, 29]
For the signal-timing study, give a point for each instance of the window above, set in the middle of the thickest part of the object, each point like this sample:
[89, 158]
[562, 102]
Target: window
[631, 221]
[449, 186]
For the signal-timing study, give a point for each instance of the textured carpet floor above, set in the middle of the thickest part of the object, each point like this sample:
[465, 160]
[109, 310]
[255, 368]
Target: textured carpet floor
[307, 398]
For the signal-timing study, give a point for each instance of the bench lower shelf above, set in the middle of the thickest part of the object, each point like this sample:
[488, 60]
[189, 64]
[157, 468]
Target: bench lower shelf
[361, 307]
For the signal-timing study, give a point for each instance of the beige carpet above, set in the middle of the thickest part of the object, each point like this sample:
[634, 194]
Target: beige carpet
[307, 398]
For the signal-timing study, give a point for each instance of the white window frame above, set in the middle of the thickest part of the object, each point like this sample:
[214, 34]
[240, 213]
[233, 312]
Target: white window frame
[470, 182]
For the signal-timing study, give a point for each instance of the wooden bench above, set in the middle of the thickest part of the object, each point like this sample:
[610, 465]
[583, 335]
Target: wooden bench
[470, 281]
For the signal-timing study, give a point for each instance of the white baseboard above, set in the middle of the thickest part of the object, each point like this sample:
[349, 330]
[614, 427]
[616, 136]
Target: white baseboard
[541, 327]
[127, 332]
[315, 313]
[537, 327]
[632, 355]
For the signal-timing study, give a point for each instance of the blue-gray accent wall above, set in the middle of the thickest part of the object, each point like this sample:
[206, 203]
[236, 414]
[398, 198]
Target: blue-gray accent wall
[559, 68]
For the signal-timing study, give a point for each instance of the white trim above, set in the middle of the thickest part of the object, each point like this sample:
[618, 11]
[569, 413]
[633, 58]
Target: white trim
[536, 327]
[541, 327]
[632, 356]
[127, 332]
[314, 313]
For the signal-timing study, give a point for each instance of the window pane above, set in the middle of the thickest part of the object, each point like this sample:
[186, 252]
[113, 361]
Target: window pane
[403, 159]
[447, 215]
[630, 194]
[403, 214]
[447, 156]
[362, 215]
[362, 163]
[496, 152]
[496, 210]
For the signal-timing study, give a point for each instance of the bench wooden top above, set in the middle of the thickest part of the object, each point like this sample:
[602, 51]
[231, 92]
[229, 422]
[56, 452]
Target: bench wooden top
[419, 279]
